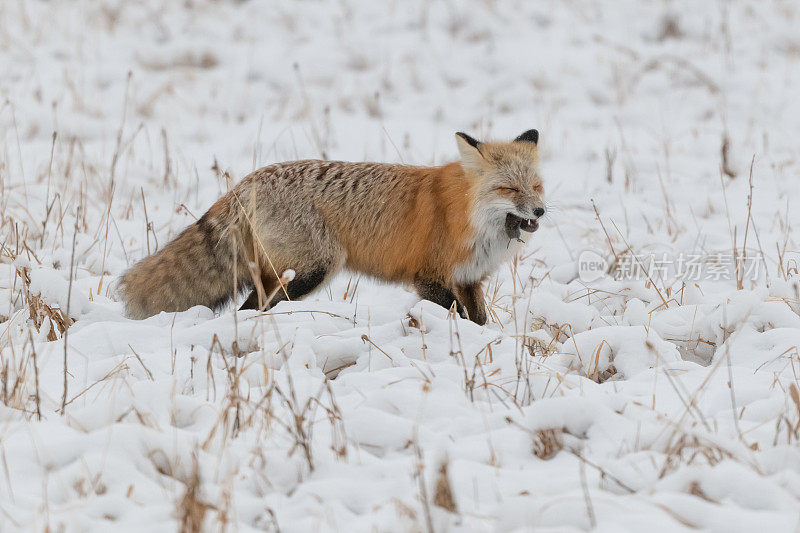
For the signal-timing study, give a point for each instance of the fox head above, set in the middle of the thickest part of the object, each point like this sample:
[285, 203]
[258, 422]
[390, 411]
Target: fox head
[509, 192]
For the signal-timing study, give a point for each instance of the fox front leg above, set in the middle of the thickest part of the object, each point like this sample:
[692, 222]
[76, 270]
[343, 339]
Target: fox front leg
[438, 294]
[472, 297]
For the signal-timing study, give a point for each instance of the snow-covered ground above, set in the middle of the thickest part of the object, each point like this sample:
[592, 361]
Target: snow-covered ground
[631, 376]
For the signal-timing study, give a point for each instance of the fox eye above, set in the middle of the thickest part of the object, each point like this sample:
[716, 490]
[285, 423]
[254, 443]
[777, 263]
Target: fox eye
[538, 189]
[507, 190]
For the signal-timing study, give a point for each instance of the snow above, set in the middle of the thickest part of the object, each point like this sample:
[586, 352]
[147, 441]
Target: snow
[593, 398]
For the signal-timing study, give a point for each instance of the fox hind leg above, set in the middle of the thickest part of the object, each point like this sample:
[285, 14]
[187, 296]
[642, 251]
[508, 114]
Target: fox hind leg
[268, 283]
[297, 241]
[303, 283]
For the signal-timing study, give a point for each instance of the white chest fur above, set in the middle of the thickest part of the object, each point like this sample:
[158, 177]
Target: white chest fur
[490, 251]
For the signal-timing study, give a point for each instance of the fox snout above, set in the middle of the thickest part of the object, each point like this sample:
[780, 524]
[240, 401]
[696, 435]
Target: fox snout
[515, 224]
[530, 206]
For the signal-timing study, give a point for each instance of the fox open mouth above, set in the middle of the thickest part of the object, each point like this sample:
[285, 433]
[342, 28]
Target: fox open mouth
[514, 224]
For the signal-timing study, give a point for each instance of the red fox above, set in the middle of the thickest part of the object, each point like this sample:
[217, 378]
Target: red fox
[442, 229]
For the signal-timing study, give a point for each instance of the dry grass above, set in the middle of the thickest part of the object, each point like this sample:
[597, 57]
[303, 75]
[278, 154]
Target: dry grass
[546, 443]
[191, 509]
[443, 492]
[41, 314]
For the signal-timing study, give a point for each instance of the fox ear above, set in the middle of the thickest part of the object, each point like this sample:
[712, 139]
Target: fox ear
[530, 136]
[470, 150]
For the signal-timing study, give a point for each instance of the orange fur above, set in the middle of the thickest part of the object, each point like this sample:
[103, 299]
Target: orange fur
[430, 235]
